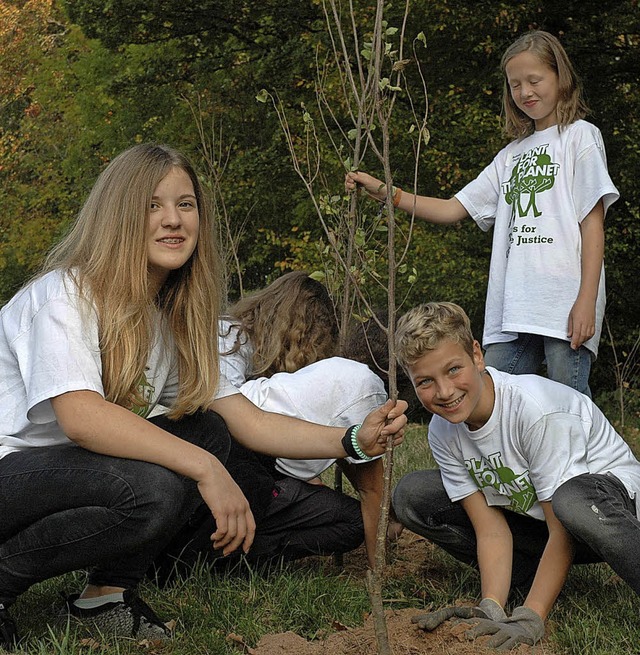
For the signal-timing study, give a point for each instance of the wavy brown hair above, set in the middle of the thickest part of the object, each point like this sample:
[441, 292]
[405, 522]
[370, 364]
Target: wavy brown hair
[105, 254]
[291, 323]
[571, 103]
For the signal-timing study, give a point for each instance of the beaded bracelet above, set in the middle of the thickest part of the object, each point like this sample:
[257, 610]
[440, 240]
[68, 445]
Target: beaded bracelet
[351, 445]
[397, 194]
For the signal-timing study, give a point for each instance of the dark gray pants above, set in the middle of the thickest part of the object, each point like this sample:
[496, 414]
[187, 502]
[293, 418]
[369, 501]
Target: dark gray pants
[65, 508]
[422, 505]
[299, 520]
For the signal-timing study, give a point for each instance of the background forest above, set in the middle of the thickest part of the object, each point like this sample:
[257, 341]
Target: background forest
[81, 80]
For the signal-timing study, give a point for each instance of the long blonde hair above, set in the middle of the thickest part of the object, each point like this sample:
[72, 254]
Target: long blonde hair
[571, 103]
[291, 323]
[105, 254]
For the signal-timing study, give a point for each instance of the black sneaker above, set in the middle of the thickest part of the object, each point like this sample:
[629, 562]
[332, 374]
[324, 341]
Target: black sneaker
[8, 632]
[131, 617]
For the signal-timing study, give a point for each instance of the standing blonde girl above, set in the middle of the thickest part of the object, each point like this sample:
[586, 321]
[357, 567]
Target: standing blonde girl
[546, 195]
[120, 320]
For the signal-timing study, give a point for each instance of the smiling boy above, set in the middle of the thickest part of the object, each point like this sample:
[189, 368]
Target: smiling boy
[530, 472]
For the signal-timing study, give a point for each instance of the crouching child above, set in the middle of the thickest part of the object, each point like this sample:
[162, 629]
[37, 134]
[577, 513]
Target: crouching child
[532, 478]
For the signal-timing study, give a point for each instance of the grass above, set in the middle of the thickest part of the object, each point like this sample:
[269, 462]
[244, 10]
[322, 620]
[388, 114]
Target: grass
[596, 613]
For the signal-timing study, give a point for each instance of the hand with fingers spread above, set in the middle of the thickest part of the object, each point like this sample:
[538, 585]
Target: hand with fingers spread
[487, 609]
[524, 626]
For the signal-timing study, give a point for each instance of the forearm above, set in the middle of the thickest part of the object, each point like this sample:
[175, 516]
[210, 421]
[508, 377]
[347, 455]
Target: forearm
[551, 574]
[592, 234]
[103, 427]
[432, 210]
[495, 555]
[581, 324]
[368, 481]
[370, 507]
[494, 546]
[284, 436]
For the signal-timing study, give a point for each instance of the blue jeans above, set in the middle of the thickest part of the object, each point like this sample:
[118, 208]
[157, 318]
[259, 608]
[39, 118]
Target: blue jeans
[422, 505]
[65, 508]
[527, 353]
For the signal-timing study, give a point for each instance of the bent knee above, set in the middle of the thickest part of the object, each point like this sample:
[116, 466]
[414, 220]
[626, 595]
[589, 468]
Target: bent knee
[410, 492]
[563, 501]
[577, 503]
[159, 497]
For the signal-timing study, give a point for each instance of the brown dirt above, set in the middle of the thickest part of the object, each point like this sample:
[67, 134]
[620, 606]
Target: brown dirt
[405, 638]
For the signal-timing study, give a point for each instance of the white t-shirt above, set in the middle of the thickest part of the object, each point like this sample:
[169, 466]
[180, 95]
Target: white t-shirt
[540, 434]
[335, 391]
[49, 346]
[535, 194]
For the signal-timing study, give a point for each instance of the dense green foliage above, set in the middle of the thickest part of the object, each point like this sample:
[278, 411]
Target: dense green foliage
[81, 80]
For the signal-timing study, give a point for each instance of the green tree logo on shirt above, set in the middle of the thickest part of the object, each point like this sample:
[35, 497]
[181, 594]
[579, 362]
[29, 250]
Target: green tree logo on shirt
[145, 395]
[533, 174]
[515, 487]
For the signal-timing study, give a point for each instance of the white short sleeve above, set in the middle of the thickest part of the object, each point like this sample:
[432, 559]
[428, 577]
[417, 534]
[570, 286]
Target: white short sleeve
[48, 346]
[58, 354]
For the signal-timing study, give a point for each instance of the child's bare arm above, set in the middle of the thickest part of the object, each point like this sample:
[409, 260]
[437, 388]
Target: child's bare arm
[582, 318]
[368, 482]
[433, 210]
[495, 547]
[553, 568]
[286, 436]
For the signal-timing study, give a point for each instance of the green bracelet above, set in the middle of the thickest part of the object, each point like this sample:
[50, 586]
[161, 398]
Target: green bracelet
[354, 442]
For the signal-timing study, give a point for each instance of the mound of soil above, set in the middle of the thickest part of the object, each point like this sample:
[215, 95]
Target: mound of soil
[405, 638]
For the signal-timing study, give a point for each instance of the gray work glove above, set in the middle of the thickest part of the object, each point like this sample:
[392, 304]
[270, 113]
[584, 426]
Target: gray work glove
[486, 609]
[524, 626]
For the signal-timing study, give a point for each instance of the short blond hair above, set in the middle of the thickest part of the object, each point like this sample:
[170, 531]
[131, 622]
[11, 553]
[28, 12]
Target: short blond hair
[425, 327]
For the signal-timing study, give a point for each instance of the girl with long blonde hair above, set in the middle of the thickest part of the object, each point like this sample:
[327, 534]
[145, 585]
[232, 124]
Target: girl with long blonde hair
[118, 321]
